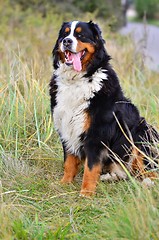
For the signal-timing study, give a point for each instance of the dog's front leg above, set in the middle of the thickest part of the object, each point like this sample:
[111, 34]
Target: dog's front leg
[90, 178]
[71, 167]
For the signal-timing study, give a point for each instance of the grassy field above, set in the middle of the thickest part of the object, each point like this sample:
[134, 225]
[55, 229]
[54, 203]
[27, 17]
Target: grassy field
[33, 204]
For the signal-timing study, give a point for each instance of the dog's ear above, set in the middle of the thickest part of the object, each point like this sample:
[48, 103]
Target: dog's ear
[55, 53]
[97, 32]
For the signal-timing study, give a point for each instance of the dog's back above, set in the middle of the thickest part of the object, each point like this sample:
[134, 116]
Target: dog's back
[94, 119]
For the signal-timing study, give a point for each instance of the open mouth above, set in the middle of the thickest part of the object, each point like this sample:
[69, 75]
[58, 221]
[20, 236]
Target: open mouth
[74, 59]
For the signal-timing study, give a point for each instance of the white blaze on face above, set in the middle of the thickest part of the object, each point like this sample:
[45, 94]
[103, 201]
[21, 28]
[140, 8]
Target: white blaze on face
[71, 36]
[72, 56]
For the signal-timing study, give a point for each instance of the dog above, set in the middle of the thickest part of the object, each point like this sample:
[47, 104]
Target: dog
[96, 123]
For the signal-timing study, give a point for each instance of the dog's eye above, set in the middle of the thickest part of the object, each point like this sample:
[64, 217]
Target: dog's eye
[80, 35]
[65, 34]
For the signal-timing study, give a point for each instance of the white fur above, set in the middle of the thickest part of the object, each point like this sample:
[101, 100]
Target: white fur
[73, 98]
[74, 44]
[147, 182]
[116, 173]
[108, 177]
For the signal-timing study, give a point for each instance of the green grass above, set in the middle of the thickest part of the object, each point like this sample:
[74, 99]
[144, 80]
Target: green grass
[33, 203]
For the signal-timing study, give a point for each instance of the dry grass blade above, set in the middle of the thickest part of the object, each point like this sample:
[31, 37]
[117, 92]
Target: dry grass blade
[32, 202]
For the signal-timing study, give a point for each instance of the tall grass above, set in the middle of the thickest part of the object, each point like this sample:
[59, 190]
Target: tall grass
[33, 204]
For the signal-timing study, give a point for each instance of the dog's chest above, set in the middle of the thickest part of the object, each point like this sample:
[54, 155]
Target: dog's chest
[73, 98]
[69, 117]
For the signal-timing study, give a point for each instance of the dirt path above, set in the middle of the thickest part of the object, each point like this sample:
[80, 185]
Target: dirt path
[146, 38]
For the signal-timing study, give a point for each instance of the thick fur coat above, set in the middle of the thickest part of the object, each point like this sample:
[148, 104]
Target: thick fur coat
[96, 123]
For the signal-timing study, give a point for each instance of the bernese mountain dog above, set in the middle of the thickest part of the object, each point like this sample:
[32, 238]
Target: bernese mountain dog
[96, 123]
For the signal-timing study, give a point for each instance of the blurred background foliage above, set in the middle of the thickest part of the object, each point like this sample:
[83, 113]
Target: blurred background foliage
[33, 203]
[149, 8]
[112, 11]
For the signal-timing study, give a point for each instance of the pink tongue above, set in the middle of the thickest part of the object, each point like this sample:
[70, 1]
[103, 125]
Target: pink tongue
[77, 61]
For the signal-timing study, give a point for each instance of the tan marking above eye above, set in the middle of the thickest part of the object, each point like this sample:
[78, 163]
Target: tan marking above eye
[78, 29]
[67, 30]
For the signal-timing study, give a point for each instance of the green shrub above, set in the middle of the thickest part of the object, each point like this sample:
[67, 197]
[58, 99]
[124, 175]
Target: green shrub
[108, 10]
[147, 7]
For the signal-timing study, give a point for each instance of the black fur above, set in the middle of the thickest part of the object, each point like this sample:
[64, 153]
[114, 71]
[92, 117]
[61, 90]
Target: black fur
[105, 108]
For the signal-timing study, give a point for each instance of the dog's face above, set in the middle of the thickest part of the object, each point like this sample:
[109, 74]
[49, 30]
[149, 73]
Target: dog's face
[77, 44]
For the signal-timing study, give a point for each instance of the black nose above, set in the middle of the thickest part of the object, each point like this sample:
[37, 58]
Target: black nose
[67, 42]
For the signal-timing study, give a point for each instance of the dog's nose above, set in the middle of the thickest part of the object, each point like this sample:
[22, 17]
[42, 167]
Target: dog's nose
[67, 42]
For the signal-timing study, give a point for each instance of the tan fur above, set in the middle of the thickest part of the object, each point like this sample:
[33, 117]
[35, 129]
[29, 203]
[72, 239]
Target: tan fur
[90, 179]
[71, 167]
[87, 122]
[89, 54]
[138, 166]
[67, 30]
[78, 29]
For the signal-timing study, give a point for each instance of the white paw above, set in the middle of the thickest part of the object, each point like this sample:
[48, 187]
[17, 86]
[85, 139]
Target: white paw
[108, 177]
[113, 176]
[147, 182]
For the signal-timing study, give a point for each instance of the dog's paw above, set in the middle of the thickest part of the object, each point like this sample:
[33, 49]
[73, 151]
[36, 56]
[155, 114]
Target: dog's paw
[65, 180]
[147, 182]
[108, 177]
[86, 193]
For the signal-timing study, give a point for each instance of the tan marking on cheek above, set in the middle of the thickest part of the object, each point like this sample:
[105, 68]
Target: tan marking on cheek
[61, 54]
[86, 60]
[90, 179]
[89, 54]
[67, 30]
[62, 57]
[81, 46]
[78, 29]
[87, 121]
[71, 167]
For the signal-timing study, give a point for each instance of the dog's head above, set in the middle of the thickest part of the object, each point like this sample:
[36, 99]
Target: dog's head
[78, 44]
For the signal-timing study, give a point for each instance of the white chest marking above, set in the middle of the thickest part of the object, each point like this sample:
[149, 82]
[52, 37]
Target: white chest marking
[73, 98]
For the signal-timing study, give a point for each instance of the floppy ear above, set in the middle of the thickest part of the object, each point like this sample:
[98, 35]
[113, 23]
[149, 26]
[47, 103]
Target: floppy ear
[55, 53]
[100, 56]
[97, 32]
